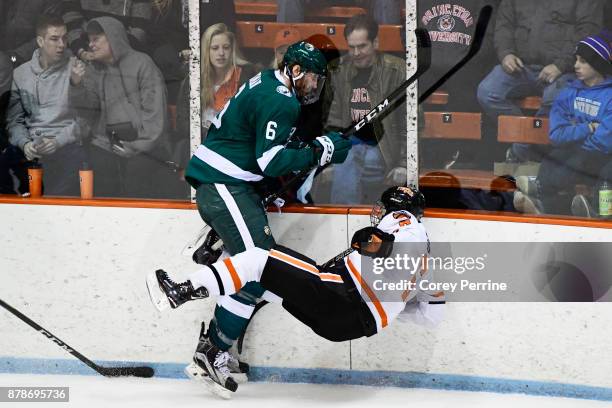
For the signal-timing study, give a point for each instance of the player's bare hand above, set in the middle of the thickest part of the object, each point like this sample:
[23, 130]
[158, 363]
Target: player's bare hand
[549, 74]
[77, 71]
[511, 64]
[47, 145]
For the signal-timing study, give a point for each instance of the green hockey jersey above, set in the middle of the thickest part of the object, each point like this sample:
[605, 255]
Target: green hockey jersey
[248, 139]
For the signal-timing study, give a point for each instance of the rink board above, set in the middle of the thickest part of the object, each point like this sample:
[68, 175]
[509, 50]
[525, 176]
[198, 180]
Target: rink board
[79, 272]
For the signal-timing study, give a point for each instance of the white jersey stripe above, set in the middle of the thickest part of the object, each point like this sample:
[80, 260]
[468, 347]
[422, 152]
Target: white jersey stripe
[247, 239]
[220, 163]
[237, 308]
[267, 157]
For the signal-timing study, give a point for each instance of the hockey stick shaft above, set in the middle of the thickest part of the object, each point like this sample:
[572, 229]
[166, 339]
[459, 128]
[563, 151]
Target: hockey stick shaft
[105, 371]
[423, 63]
[479, 33]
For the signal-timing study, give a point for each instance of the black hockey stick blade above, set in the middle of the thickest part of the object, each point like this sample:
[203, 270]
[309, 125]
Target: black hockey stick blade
[423, 64]
[479, 33]
[145, 372]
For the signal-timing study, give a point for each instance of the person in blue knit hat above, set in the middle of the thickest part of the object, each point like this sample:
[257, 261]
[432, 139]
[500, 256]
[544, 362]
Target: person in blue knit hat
[580, 133]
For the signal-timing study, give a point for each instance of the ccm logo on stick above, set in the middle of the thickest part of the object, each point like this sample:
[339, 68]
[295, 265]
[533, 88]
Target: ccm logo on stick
[372, 114]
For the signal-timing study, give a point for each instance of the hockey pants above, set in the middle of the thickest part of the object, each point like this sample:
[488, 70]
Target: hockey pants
[236, 214]
[325, 300]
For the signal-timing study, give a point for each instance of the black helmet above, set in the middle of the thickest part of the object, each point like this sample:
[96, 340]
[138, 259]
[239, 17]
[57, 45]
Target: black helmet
[398, 198]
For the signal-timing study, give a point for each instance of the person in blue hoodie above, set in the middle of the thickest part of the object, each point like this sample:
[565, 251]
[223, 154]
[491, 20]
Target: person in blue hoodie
[580, 133]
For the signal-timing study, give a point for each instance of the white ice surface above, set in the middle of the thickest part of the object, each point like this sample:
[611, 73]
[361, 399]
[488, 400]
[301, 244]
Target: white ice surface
[91, 392]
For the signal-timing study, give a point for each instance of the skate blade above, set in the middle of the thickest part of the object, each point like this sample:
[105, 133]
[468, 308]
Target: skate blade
[197, 374]
[240, 378]
[156, 294]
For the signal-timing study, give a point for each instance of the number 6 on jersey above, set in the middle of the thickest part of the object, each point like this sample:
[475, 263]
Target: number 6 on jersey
[271, 130]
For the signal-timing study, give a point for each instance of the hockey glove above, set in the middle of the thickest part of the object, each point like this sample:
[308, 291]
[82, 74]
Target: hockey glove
[372, 242]
[333, 148]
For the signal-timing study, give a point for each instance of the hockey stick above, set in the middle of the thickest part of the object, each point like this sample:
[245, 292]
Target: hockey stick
[423, 61]
[241, 338]
[145, 372]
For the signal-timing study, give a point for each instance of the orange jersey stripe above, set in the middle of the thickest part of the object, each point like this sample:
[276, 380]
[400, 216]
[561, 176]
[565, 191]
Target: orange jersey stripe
[293, 261]
[331, 276]
[305, 266]
[235, 278]
[371, 295]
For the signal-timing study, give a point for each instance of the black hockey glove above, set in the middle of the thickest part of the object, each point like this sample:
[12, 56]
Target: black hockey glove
[372, 242]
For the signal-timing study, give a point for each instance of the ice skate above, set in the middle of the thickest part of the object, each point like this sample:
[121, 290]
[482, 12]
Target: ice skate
[165, 293]
[238, 370]
[210, 250]
[210, 366]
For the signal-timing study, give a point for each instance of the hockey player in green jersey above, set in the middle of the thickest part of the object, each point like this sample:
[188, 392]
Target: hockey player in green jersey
[248, 140]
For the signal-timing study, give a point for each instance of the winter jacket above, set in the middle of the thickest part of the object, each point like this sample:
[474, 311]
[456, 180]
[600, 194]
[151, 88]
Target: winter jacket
[39, 106]
[387, 74]
[574, 108]
[131, 90]
[545, 32]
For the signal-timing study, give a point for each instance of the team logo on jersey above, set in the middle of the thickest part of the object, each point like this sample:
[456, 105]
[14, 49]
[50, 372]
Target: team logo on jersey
[446, 23]
[267, 230]
[283, 90]
[309, 46]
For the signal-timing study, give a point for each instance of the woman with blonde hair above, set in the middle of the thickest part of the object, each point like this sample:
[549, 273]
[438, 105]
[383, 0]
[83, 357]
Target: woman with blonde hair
[223, 70]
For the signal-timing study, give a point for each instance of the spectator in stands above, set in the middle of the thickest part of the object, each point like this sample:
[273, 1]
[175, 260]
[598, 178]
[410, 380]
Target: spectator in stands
[9, 155]
[40, 120]
[157, 27]
[169, 39]
[451, 29]
[18, 25]
[283, 39]
[534, 42]
[383, 11]
[223, 70]
[217, 11]
[364, 77]
[123, 93]
[17, 43]
[580, 131]
[136, 16]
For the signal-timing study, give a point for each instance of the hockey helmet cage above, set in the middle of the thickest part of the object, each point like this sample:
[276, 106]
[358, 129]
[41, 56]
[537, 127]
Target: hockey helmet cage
[398, 198]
